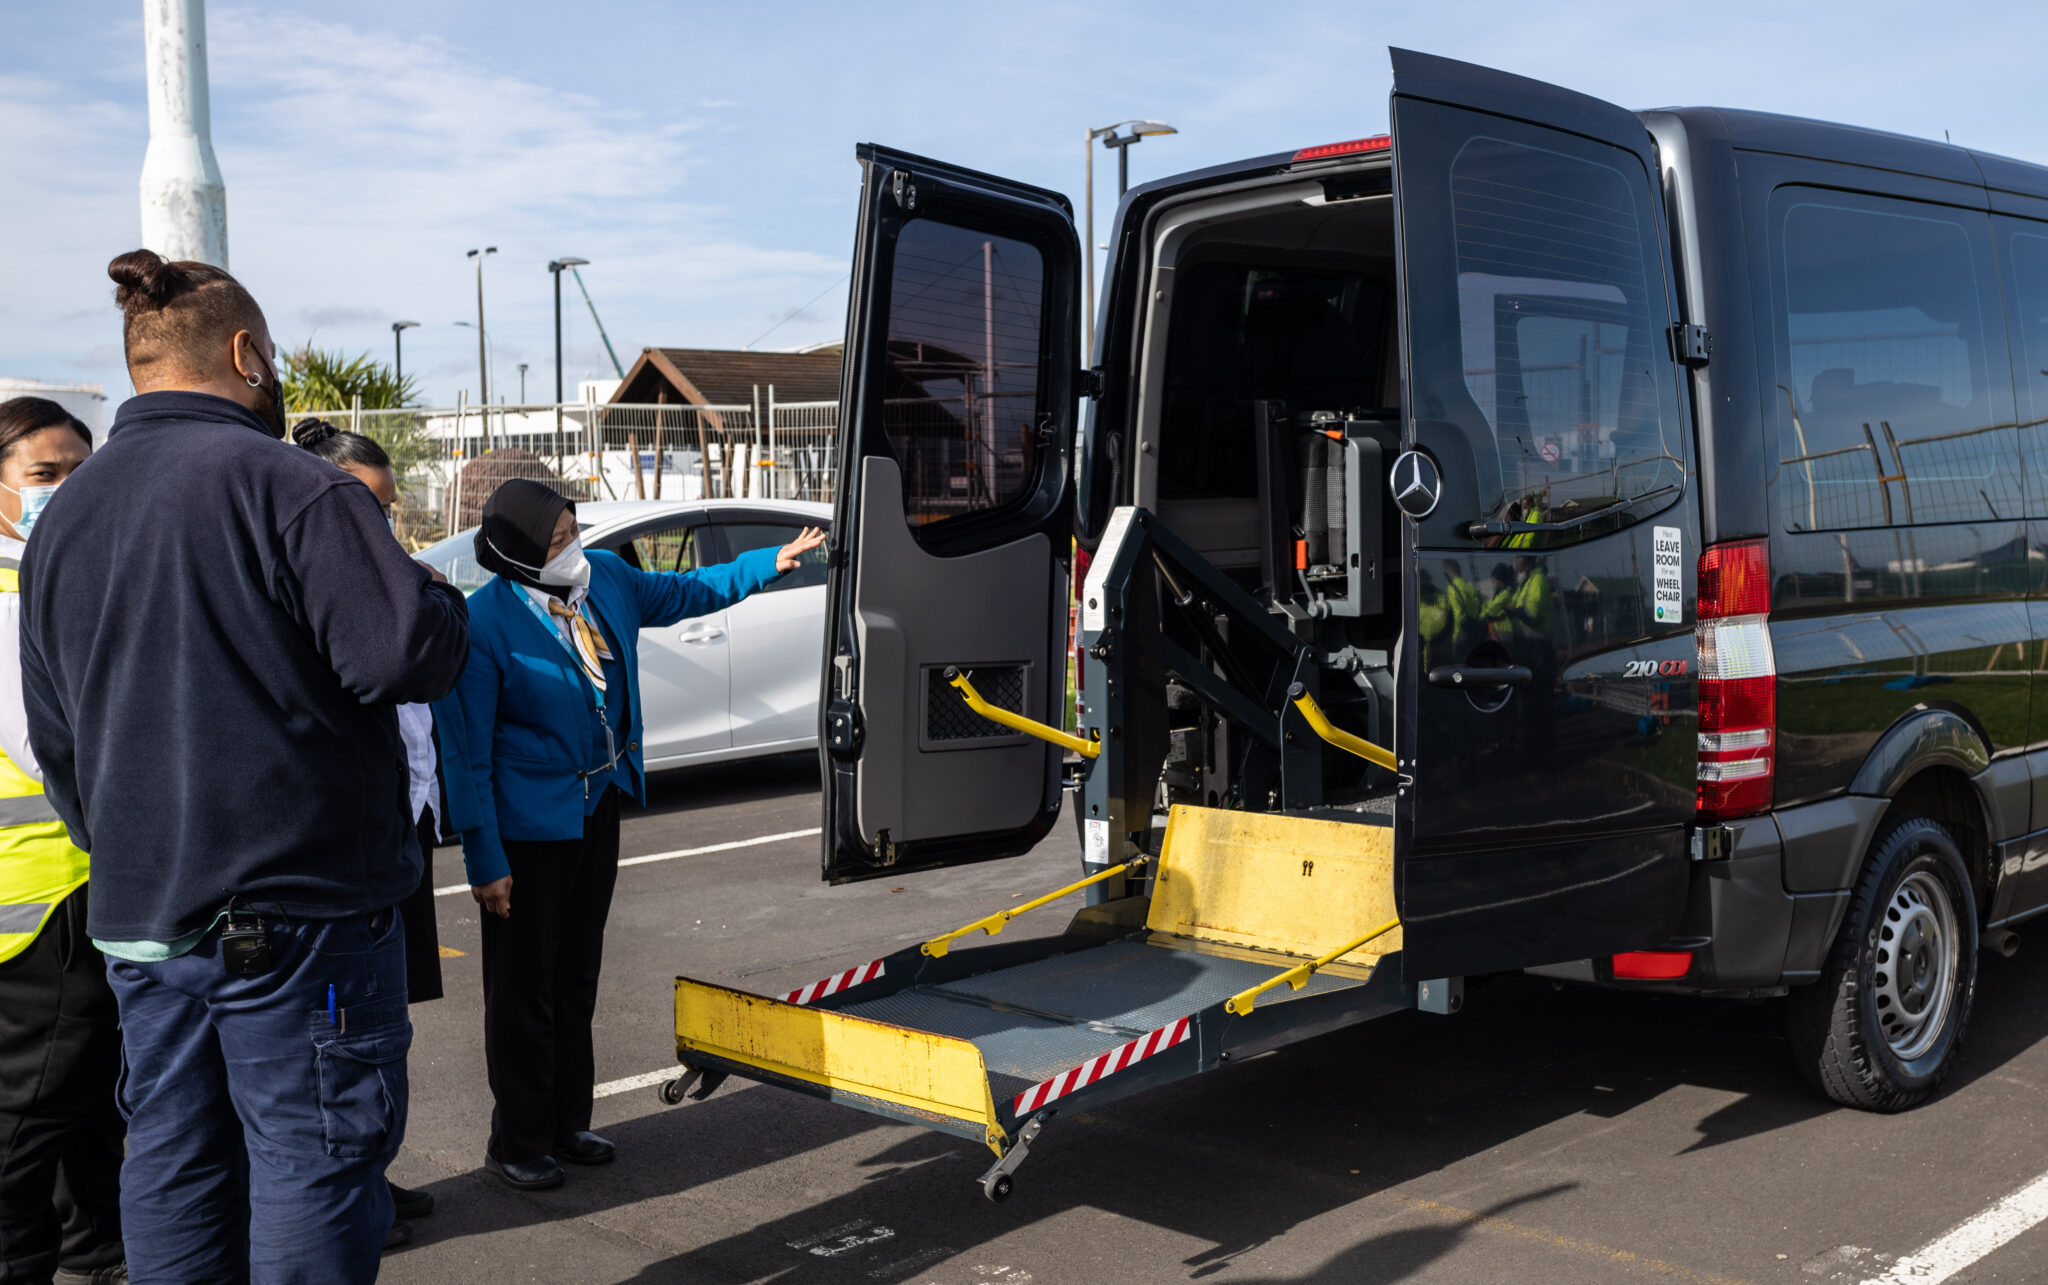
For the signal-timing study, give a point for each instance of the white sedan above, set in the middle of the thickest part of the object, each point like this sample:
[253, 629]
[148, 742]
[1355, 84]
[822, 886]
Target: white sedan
[733, 684]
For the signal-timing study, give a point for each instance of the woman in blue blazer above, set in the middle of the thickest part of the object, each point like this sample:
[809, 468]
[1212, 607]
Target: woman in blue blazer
[549, 712]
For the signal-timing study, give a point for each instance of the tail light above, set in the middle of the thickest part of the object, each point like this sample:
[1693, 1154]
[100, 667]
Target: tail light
[1738, 681]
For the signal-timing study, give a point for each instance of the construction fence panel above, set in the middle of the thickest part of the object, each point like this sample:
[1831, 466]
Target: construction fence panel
[448, 460]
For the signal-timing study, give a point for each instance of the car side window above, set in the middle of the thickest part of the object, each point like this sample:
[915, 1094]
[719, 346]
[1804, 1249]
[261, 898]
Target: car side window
[742, 536]
[678, 548]
[1891, 391]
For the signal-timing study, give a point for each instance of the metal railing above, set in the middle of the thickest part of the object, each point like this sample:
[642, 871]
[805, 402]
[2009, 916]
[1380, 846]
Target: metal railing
[449, 459]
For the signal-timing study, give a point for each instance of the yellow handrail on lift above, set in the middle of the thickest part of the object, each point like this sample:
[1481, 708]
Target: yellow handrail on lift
[993, 924]
[1297, 977]
[1335, 735]
[1017, 722]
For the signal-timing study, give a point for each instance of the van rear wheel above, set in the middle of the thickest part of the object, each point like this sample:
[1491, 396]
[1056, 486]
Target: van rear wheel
[1883, 1025]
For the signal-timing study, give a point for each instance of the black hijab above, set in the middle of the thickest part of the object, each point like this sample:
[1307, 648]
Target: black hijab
[518, 525]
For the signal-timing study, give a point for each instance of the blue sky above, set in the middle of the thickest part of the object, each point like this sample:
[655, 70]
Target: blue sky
[701, 156]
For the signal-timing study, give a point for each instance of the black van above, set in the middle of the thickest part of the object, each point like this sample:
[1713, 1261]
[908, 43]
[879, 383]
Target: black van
[1665, 490]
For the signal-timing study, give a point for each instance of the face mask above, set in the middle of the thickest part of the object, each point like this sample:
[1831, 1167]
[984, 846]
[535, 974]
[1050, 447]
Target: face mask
[568, 569]
[33, 498]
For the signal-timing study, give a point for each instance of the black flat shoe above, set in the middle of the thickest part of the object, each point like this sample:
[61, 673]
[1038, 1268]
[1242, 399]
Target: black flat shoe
[400, 1234]
[532, 1176]
[585, 1148]
[409, 1203]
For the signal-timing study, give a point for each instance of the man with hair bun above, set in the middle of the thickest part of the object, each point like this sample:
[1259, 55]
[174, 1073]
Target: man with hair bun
[216, 628]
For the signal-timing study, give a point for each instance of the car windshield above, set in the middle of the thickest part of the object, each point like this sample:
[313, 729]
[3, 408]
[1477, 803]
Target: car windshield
[455, 557]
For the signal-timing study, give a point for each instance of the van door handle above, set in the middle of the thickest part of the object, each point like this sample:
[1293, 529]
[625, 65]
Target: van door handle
[1470, 676]
[701, 634]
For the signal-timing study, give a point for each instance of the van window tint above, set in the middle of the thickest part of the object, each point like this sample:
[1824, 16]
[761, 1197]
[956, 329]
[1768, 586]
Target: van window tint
[1558, 326]
[2027, 260]
[961, 391]
[1887, 411]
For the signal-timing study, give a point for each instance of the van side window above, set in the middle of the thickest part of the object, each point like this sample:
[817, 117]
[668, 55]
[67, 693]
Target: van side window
[1887, 405]
[961, 395]
[2026, 257]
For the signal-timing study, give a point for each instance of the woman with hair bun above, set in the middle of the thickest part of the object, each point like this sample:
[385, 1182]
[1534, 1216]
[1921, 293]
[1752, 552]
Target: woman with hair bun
[60, 1040]
[216, 631]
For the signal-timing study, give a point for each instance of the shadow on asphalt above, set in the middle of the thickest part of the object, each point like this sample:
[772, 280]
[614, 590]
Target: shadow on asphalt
[685, 789]
[1238, 1158]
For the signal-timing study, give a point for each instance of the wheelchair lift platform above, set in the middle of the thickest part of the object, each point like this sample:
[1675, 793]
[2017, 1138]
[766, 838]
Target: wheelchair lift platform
[1248, 932]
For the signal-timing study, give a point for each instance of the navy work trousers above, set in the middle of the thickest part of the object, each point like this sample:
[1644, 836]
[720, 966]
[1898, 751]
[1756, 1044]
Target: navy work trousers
[258, 1127]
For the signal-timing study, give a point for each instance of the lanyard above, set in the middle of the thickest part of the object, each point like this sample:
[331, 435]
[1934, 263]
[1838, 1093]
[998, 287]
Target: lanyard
[548, 623]
[611, 741]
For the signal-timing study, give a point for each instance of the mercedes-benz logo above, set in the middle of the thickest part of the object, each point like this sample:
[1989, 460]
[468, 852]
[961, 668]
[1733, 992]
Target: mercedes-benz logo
[1416, 484]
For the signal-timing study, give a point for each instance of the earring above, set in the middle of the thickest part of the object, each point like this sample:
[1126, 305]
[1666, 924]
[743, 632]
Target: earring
[255, 381]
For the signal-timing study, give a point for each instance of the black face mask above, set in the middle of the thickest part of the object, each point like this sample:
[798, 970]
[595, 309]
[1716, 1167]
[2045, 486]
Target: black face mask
[274, 413]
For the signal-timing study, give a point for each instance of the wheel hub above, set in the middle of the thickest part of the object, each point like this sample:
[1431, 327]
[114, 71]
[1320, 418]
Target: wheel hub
[1918, 940]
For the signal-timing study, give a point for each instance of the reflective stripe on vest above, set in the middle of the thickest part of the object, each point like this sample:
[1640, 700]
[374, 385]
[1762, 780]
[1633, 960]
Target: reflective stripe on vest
[39, 867]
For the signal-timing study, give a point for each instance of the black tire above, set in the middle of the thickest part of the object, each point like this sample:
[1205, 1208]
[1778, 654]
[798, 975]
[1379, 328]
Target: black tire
[1868, 1034]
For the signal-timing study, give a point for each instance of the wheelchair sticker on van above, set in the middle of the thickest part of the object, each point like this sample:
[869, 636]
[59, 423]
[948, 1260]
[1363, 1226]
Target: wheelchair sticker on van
[1668, 583]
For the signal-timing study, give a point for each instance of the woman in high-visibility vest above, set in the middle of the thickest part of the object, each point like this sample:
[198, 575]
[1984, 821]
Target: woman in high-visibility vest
[60, 1045]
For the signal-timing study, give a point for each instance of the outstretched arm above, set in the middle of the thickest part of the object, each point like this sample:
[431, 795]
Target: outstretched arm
[668, 596]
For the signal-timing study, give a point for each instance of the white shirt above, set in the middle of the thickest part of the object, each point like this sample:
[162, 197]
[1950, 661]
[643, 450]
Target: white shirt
[416, 726]
[13, 714]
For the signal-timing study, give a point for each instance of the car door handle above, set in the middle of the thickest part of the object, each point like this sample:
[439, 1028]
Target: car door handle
[702, 634]
[1469, 676]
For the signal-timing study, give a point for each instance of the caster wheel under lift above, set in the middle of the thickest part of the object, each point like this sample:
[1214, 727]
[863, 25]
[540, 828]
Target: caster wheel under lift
[998, 1182]
[693, 1084]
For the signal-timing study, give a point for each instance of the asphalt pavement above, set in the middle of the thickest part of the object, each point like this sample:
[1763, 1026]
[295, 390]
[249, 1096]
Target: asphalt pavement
[1544, 1134]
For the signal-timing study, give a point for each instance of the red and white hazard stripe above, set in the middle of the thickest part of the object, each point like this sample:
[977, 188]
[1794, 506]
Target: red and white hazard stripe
[833, 985]
[1097, 1067]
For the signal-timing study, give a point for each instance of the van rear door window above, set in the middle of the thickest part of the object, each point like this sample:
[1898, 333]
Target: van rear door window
[961, 406]
[1888, 402]
[1561, 396]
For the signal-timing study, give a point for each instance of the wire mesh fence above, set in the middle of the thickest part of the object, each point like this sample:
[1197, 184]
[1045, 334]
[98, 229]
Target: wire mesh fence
[448, 460]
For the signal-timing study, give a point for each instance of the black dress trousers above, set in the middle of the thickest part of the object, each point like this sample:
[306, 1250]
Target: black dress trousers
[60, 1129]
[540, 972]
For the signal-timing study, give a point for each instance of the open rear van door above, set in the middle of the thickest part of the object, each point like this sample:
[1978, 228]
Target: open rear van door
[952, 526]
[1548, 720]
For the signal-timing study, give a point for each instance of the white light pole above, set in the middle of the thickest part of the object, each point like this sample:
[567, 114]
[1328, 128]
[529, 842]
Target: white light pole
[1122, 143]
[184, 202]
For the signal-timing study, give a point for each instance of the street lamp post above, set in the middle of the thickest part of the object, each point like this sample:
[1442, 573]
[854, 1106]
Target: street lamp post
[398, 329]
[522, 383]
[482, 371]
[1122, 143]
[556, 267]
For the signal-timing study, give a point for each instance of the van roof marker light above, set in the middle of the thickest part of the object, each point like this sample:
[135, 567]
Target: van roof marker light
[1377, 143]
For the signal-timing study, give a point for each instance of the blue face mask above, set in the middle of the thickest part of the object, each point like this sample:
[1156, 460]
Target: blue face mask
[33, 500]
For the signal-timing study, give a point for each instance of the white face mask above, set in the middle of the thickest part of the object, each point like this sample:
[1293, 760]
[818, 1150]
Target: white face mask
[568, 569]
[33, 498]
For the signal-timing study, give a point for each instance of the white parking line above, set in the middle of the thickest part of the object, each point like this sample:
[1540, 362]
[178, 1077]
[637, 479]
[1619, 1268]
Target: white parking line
[633, 1082]
[811, 833]
[1943, 1257]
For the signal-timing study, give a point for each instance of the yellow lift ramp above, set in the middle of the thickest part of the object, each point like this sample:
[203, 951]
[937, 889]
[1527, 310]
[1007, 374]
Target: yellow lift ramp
[1259, 930]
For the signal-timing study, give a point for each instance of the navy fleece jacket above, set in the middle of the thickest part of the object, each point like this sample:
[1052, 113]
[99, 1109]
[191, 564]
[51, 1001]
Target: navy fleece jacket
[216, 629]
